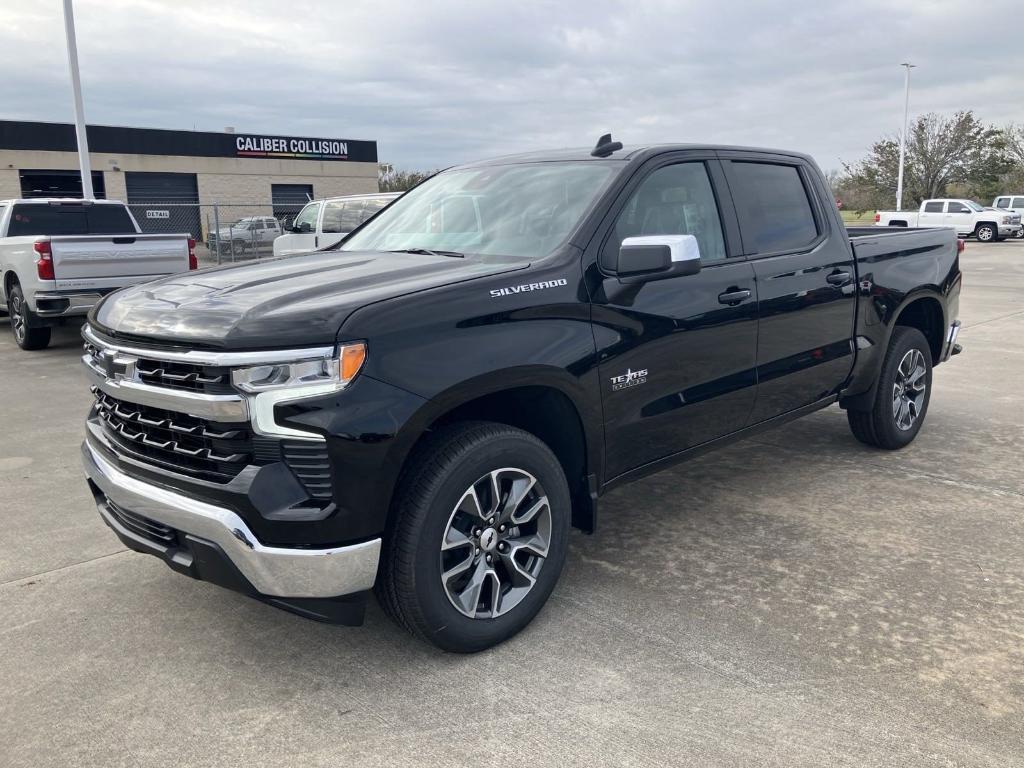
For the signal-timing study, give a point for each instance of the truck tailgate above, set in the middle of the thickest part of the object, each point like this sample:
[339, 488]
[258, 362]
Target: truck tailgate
[109, 261]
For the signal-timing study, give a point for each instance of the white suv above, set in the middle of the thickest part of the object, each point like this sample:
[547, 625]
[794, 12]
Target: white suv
[1011, 204]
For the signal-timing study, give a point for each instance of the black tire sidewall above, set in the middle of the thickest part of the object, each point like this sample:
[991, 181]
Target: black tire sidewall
[35, 337]
[889, 434]
[990, 228]
[443, 624]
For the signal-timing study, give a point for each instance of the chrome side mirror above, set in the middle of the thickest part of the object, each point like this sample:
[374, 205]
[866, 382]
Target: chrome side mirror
[657, 257]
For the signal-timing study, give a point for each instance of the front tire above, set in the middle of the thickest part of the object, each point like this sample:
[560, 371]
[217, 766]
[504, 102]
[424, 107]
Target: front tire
[986, 233]
[901, 396]
[480, 534]
[26, 335]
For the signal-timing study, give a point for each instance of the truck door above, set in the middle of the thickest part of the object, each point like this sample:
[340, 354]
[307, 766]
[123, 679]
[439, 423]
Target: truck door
[303, 236]
[676, 358]
[960, 217]
[932, 214]
[806, 281]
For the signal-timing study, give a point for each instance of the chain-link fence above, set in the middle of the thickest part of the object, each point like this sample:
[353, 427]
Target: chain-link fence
[224, 232]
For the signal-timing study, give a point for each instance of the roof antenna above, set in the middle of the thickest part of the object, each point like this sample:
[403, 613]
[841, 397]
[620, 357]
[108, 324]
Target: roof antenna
[605, 146]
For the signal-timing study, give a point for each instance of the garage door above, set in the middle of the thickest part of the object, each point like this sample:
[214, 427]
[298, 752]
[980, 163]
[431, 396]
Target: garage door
[288, 200]
[51, 183]
[164, 202]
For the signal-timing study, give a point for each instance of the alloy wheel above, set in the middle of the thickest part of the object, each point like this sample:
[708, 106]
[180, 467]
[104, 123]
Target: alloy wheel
[908, 391]
[18, 318]
[495, 543]
[985, 234]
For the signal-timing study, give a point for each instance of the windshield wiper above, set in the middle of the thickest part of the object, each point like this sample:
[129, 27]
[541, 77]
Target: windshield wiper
[429, 252]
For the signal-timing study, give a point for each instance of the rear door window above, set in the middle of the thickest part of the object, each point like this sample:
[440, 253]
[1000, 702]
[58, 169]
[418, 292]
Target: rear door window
[45, 219]
[342, 216]
[374, 204]
[1018, 202]
[933, 207]
[775, 209]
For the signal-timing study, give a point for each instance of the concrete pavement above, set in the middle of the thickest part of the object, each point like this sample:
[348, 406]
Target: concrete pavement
[797, 599]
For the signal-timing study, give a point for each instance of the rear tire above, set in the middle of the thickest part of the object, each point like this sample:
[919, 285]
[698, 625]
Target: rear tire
[452, 531]
[26, 335]
[986, 233]
[901, 395]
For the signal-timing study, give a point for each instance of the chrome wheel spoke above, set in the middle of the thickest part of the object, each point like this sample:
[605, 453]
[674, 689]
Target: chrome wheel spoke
[531, 512]
[534, 545]
[454, 538]
[459, 568]
[469, 597]
[470, 504]
[519, 576]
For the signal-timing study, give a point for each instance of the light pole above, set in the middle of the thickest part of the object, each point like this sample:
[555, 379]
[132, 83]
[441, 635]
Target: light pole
[76, 88]
[903, 137]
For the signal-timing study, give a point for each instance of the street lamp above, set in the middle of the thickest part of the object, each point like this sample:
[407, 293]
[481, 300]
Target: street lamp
[903, 137]
[76, 89]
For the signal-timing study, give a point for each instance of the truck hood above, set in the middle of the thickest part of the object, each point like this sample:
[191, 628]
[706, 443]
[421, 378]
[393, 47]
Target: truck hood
[295, 301]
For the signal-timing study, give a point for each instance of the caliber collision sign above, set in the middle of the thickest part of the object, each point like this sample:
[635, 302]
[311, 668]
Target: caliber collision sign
[284, 147]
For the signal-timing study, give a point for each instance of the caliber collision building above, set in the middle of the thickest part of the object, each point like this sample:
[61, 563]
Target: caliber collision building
[187, 171]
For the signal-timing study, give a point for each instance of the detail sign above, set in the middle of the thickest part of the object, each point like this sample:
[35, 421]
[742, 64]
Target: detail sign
[284, 147]
[151, 214]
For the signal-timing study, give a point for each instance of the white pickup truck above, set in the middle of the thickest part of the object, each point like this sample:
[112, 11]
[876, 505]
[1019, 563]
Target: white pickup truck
[1011, 204]
[59, 256]
[965, 216]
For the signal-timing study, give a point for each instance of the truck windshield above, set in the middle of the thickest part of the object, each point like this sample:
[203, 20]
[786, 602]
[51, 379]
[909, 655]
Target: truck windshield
[973, 205]
[522, 210]
[64, 219]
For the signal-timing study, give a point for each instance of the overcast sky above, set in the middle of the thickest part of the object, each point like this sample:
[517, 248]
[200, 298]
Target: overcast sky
[443, 81]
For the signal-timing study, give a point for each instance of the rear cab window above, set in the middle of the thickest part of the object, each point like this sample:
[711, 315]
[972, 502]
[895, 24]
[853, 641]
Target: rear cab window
[774, 206]
[69, 219]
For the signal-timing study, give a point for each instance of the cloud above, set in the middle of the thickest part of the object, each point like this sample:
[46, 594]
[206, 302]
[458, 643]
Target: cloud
[444, 82]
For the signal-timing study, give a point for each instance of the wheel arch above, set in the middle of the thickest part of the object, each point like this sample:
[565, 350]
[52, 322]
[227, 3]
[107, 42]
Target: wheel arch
[922, 309]
[9, 280]
[924, 312]
[543, 405]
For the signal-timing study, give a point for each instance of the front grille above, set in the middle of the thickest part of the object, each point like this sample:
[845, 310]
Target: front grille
[207, 450]
[143, 526]
[210, 380]
[177, 442]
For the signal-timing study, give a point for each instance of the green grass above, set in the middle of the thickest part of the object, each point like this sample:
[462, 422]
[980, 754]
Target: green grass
[858, 218]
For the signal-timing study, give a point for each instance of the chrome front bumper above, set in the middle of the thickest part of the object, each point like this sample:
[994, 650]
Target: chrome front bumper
[272, 571]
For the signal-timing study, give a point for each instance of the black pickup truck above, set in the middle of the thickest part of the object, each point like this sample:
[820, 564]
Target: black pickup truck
[428, 407]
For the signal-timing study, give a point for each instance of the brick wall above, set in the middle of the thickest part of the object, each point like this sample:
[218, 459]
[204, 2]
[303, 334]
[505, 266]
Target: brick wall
[10, 183]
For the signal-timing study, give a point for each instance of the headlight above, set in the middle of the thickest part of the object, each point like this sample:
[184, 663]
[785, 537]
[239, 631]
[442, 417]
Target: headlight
[324, 374]
[1007, 219]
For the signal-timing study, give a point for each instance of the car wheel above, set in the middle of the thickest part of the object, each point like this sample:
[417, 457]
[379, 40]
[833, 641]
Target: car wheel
[901, 396]
[25, 335]
[479, 537]
[985, 233]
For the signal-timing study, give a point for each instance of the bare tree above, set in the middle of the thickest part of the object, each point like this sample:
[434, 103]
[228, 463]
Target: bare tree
[391, 180]
[941, 152]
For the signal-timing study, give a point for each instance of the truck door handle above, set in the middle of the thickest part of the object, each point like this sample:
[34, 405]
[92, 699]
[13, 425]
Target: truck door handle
[733, 296]
[838, 278]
